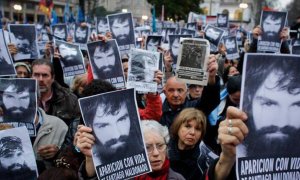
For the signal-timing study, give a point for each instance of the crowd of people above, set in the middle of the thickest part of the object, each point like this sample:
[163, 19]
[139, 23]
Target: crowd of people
[190, 131]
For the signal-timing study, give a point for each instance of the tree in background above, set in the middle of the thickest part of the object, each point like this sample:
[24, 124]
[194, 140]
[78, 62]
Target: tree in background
[176, 9]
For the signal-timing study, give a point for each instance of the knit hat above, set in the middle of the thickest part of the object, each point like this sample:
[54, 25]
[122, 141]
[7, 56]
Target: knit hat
[23, 64]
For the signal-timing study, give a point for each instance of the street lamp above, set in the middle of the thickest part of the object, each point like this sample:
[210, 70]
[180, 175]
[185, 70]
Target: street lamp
[124, 10]
[144, 17]
[243, 5]
[17, 7]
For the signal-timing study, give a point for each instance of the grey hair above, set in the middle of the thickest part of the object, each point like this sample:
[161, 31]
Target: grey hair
[152, 125]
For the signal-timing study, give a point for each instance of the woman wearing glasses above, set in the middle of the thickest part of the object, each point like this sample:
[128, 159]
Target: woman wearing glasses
[156, 138]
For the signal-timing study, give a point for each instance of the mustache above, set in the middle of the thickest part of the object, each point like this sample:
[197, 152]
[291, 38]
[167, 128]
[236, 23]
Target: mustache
[106, 67]
[10, 110]
[12, 167]
[111, 142]
[273, 129]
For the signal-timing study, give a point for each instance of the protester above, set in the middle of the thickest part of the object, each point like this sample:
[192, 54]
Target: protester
[187, 131]
[55, 99]
[176, 93]
[23, 70]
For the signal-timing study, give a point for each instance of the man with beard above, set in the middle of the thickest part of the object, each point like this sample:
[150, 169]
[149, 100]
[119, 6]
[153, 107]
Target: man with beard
[272, 102]
[122, 30]
[102, 26]
[5, 65]
[105, 61]
[114, 127]
[12, 162]
[81, 34]
[18, 102]
[60, 32]
[174, 47]
[69, 54]
[272, 25]
[153, 42]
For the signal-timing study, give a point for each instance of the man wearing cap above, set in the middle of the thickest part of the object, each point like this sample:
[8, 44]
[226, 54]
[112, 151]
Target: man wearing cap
[12, 162]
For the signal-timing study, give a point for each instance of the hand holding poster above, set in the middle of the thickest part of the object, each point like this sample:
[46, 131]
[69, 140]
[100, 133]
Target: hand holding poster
[214, 36]
[141, 69]
[119, 150]
[25, 38]
[270, 97]
[192, 61]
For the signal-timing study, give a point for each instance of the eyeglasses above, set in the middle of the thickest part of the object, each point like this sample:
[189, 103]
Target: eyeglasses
[158, 147]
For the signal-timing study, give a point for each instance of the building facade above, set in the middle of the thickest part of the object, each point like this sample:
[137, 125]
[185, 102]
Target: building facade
[30, 10]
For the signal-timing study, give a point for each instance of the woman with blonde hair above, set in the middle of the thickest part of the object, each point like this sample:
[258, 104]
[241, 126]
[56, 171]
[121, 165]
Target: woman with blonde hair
[187, 132]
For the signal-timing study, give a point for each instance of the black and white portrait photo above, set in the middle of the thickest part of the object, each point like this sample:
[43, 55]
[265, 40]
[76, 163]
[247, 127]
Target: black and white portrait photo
[191, 26]
[6, 64]
[121, 27]
[25, 38]
[71, 58]
[145, 32]
[231, 46]
[153, 42]
[165, 32]
[18, 101]
[141, 69]
[17, 159]
[106, 62]
[296, 49]
[60, 32]
[114, 119]
[174, 45]
[102, 25]
[214, 36]
[81, 34]
[270, 96]
[272, 23]
[43, 39]
[185, 31]
[222, 20]
[192, 61]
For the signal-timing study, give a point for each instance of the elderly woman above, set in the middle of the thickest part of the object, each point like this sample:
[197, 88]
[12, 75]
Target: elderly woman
[156, 138]
[187, 131]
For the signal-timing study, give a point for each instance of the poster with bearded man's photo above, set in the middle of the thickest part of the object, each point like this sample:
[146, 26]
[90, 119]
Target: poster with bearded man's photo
[18, 102]
[272, 23]
[119, 151]
[270, 97]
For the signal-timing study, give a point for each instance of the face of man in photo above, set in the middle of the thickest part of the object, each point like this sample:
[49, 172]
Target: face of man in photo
[105, 60]
[102, 27]
[13, 161]
[112, 128]
[67, 53]
[271, 26]
[275, 115]
[81, 34]
[222, 20]
[152, 45]
[175, 47]
[15, 103]
[23, 45]
[59, 32]
[121, 29]
[211, 33]
[230, 45]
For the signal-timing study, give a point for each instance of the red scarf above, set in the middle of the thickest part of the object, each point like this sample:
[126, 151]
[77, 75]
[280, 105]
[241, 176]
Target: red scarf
[157, 175]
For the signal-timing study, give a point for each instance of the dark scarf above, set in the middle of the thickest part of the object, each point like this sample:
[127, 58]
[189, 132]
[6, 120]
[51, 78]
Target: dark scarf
[157, 175]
